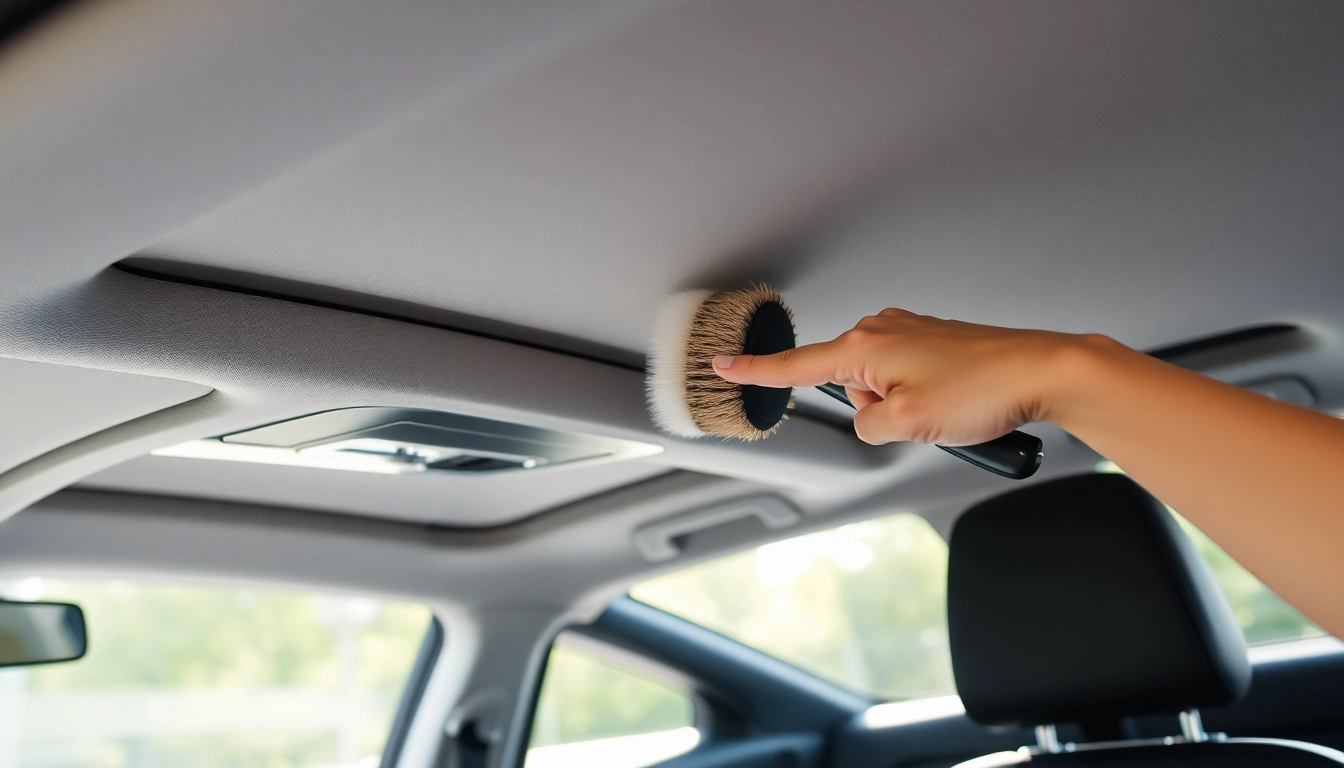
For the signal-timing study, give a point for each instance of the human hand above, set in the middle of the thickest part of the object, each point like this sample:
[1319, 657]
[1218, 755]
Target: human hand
[924, 379]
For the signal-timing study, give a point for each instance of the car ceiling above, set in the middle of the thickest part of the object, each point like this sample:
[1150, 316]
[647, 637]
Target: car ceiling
[547, 173]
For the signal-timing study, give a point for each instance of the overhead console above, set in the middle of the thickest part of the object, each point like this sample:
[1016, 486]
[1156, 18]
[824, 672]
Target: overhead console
[404, 440]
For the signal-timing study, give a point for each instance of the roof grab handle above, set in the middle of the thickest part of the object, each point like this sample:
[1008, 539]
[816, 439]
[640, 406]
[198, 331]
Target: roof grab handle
[663, 540]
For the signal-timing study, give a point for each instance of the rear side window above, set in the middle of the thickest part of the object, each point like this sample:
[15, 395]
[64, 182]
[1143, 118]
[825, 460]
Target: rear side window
[863, 605]
[209, 676]
[1264, 616]
[595, 712]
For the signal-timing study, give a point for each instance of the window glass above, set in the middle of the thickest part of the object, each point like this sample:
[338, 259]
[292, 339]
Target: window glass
[1264, 616]
[591, 711]
[211, 676]
[864, 605]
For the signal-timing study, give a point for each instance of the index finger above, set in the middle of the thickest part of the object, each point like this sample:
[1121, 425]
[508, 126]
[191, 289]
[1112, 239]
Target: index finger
[805, 366]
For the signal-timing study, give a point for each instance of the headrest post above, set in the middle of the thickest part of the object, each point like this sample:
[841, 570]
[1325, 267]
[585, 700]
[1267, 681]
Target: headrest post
[1048, 740]
[1192, 726]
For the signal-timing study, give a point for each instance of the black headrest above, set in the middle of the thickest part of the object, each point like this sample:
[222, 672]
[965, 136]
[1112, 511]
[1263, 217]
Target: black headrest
[1082, 599]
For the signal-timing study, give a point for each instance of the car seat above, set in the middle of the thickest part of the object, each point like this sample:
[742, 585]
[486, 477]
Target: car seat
[1081, 601]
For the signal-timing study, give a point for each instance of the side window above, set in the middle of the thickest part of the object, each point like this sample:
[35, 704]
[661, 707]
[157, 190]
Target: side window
[863, 605]
[1264, 616]
[190, 674]
[592, 711]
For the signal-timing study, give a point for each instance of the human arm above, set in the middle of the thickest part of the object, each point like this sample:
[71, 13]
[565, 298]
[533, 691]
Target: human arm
[1263, 479]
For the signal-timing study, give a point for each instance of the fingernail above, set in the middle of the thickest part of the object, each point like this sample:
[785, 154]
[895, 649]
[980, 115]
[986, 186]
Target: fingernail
[723, 361]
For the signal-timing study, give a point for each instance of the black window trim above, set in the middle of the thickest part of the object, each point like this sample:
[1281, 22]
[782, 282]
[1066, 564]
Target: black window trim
[622, 659]
[411, 696]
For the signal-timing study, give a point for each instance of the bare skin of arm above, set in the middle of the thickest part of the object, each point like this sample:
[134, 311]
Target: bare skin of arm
[1263, 479]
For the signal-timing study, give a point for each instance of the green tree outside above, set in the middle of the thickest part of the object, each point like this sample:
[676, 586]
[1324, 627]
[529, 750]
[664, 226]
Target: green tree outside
[584, 697]
[863, 605]
[218, 648]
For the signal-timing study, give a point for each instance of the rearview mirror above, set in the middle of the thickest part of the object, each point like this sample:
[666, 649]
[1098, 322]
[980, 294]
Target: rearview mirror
[40, 633]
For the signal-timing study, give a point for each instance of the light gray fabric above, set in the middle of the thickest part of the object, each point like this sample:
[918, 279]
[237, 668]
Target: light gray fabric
[1152, 170]
[273, 360]
[44, 406]
[552, 170]
[431, 497]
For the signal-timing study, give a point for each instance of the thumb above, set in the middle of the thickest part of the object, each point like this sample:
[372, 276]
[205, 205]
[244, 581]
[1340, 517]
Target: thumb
[886, 421]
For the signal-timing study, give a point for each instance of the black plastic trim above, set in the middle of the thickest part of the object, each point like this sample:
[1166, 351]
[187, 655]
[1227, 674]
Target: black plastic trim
[736, 682]
[414, 692]
[1219, 341]
[17, 16]
[751, 708]
[534, 701]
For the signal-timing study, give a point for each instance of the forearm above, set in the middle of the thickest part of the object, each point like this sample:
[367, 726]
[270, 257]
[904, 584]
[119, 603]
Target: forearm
[1263, 479]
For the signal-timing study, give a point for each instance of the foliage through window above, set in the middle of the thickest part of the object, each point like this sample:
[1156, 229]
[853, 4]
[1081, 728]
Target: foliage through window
[864, 605]
[592, 711]
[211, 676]
[1264, 616]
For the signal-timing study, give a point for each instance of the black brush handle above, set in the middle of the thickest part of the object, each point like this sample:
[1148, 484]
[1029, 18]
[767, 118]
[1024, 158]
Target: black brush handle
[1015, 455]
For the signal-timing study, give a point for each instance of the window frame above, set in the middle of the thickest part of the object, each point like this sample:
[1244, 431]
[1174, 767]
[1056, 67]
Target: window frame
[749, 705]
[414, 691]
[574, 638]
[939, 524]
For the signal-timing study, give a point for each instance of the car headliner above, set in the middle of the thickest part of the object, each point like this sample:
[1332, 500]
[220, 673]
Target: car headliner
[548, 173]
[526, 182]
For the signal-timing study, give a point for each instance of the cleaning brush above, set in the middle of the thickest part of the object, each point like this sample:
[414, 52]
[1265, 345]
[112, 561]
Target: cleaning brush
[687, 398]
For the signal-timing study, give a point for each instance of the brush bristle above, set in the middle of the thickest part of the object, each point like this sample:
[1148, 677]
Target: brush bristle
[665, 387]
[685, 395]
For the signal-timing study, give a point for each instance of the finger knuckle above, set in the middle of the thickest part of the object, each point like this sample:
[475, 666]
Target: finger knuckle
[902, 410]
[913, 420]
[858, 337]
